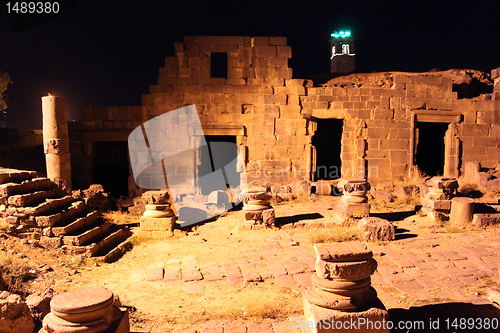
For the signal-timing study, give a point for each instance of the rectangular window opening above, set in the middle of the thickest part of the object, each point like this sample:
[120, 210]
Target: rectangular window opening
[218, 65]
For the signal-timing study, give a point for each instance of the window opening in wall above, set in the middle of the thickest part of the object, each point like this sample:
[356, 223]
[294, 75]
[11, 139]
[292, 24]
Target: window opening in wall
[429, 155]
[210, 163]
[218, 65]
[327, 141]
[111, 167]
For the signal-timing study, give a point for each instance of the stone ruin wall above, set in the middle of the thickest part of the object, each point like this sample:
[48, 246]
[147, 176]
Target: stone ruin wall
[273, 116]
[380, 112]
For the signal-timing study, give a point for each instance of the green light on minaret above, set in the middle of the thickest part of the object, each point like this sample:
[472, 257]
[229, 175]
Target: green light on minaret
[341, 34]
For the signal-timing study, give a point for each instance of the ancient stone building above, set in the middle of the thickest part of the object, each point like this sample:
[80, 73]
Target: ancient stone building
[376, 125]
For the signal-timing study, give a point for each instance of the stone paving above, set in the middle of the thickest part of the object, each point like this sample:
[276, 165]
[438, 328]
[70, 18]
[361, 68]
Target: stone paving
[432, 268]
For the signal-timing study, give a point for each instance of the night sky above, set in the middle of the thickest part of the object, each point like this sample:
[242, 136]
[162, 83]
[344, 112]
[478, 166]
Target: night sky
[105, 53]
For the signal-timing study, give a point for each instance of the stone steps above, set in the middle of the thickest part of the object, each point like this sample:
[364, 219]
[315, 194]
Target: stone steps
[77, 225]
[28, 199]
[13, 175]
[47, 206]
[30, 185]
[89, 236]
[76, 209]
[35, 206]
[112, 247]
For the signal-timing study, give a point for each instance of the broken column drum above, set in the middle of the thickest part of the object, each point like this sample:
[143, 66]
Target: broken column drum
[55, 140]
[354, 203]
[158, 215]
[355, 191]
[85, 311]
[258, 210]
[341, 286]
[342, 279]
[462, 210]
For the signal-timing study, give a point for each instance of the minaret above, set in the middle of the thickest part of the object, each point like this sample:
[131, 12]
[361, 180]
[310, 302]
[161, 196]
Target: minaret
[342, 52]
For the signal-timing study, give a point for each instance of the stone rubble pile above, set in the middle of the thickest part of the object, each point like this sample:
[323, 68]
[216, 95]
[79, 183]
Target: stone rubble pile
[436, 194]
[35, 207]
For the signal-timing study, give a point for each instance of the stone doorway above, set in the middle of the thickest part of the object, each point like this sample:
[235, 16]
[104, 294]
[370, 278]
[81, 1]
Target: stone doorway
[209, 163]
[327, 144]
[430, 148]
[111, 167]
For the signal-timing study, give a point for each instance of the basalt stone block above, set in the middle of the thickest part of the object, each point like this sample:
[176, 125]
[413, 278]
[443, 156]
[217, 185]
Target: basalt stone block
[15, 315]
[155, 197]
[382, 195]
[435, 204]
[407, 190]
[268, 217]
[253, 215]
[50, 242]
[377, 229]
[323, 188]
[484, 220]
[220, 198]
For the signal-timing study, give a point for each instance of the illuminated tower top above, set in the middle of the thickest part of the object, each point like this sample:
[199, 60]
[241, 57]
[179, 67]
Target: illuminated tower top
[342, 52]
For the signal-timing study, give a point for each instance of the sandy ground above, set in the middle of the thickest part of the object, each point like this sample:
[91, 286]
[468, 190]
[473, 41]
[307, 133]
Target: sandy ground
[170, 306]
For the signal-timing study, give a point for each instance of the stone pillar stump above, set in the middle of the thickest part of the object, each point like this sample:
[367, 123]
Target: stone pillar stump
[158, 216]
[462, 210]
[341, 291]
[85, 311]
[354, 203]
[257, 209]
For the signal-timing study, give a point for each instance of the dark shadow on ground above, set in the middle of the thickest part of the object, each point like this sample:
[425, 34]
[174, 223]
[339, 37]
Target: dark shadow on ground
[280, 221]
[394, 216]
[188, 225]
[443, 316]
[401, 233]
[484, 208]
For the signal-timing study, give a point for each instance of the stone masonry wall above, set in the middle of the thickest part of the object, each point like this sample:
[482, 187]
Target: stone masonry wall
[273, 116]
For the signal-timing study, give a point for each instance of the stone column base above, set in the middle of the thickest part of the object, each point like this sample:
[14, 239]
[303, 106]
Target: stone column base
[158, 224]
[256, 219]
[120, 325]
[323, 320]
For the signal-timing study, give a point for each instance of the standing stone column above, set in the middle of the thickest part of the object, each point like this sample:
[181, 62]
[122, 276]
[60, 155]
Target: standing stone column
[55, 140]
